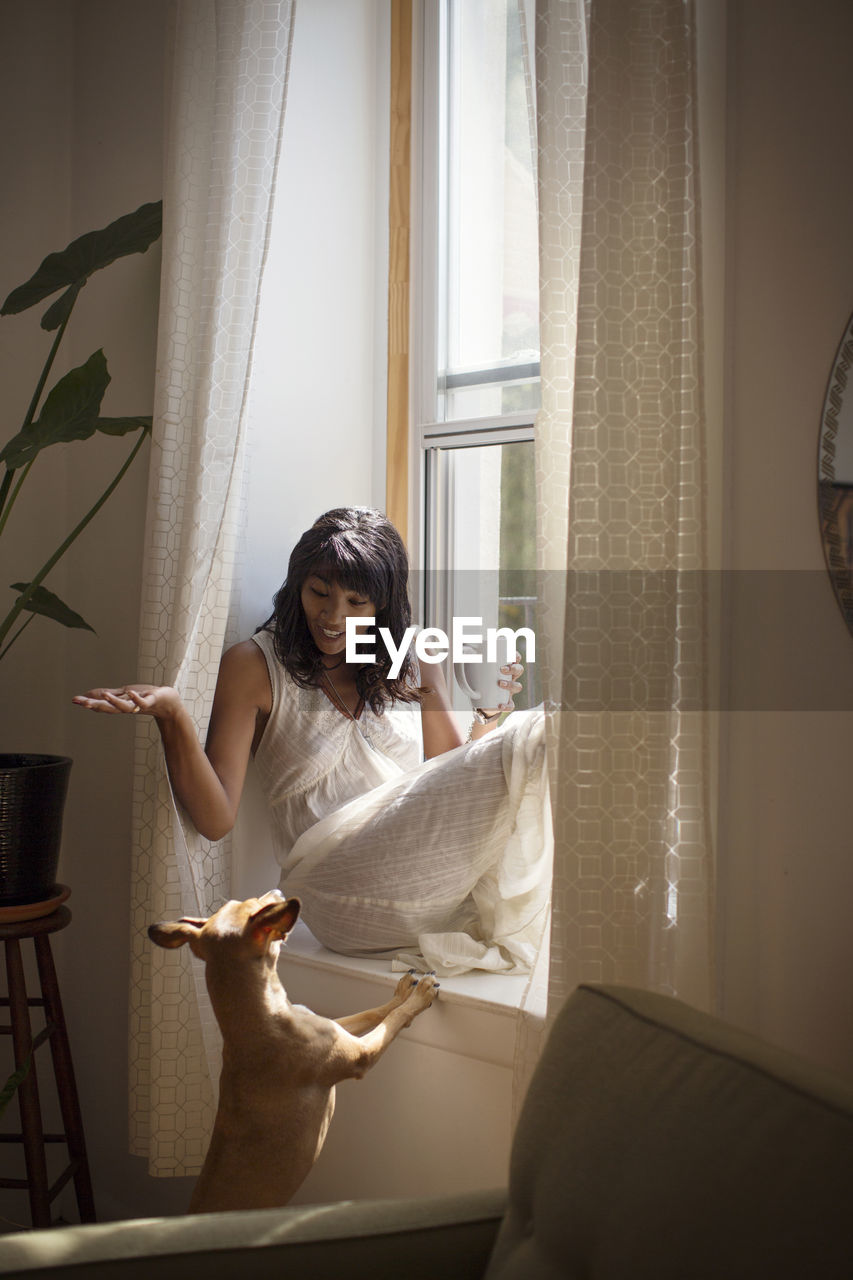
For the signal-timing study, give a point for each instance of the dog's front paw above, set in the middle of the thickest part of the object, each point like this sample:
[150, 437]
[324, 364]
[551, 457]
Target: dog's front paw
[406, 985]
[427, 990]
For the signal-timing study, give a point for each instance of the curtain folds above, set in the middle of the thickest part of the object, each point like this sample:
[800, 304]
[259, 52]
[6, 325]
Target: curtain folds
[620, 467]
[230, 63]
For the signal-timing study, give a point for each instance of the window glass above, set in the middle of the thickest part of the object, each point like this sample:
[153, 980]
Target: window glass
[484, 544]
[489, 329]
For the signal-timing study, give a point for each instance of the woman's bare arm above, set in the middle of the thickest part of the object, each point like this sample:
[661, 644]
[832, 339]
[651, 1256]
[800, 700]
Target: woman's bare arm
[440, 729]
[438, 723]
[208, 781]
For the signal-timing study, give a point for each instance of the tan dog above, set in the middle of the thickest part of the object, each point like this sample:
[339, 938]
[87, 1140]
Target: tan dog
[280, 1062]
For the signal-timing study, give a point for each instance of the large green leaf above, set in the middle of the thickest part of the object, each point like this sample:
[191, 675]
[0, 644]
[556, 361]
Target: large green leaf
[132, 233]
[121, 426]
[59, 311]
[24, 446]
[44, 602]
[70, 412]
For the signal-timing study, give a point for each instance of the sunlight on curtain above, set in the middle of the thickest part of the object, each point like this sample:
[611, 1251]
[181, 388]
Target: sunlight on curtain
[620, 460]
[230, 62]
[558, 110]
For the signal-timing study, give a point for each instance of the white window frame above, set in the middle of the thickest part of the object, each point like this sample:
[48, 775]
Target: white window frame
[431, 536]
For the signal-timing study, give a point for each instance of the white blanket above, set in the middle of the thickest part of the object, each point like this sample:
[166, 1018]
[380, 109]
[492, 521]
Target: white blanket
[450, 863]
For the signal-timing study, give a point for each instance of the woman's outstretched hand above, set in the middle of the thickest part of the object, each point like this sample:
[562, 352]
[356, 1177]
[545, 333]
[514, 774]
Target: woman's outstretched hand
[208, 780]
[161, 701]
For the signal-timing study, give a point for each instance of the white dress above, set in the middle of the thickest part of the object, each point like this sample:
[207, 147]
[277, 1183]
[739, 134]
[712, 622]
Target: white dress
[448, 858]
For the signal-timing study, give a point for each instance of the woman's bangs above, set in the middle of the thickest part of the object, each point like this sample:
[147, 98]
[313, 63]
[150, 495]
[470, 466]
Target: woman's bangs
[350, 567]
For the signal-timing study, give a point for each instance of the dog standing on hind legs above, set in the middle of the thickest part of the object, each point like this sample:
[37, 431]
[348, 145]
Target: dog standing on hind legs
[280, 1062]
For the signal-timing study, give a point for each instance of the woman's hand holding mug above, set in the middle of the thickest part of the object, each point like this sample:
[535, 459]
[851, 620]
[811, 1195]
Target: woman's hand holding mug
[484, 682]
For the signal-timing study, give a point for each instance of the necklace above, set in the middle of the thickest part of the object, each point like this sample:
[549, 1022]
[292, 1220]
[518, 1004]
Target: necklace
[343, 706]
[335, 665]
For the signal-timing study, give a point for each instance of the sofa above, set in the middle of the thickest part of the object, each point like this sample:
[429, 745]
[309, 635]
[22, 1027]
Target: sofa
[655, 1141]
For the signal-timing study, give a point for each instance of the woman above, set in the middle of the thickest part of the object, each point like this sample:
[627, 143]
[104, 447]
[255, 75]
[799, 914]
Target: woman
[385, 851]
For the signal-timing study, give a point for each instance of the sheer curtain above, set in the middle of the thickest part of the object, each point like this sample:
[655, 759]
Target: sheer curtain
[620, 459]
[229, 72]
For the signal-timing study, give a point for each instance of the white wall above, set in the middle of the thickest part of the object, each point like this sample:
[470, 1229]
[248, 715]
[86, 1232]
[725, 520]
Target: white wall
[318, 407]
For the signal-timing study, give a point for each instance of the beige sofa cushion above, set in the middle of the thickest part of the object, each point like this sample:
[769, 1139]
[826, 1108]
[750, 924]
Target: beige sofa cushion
[352, 1240]
[656, 1142]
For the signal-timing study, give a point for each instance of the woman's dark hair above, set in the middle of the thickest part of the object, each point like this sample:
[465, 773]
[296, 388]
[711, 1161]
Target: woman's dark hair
[362, 551]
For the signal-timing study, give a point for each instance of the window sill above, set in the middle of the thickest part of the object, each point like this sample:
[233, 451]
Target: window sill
[477, 1011]
[493, 992]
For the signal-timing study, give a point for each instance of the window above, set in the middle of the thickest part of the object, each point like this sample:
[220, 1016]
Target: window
[476, 333]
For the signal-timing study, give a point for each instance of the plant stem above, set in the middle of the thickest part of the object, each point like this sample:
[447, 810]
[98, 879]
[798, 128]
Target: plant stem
[21, 629]
[34, 403]
[16, 1079]
[7, 510]
[5, 486]
[23, 598]
[45, 373]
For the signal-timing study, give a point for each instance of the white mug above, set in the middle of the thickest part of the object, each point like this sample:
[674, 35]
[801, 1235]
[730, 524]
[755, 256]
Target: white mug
[478, 678]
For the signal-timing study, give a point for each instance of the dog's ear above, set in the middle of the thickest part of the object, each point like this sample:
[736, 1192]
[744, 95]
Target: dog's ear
[276, 917]
[175, 934]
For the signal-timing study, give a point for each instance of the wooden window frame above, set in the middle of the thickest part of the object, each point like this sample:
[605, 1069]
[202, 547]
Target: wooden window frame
[399, 291]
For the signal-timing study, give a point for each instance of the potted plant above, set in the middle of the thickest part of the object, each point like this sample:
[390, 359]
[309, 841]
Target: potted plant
[33, 787]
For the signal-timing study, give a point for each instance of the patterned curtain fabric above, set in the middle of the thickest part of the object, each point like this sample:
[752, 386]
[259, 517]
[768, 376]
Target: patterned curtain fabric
[620, 454]
[230, 61]
[557, 108]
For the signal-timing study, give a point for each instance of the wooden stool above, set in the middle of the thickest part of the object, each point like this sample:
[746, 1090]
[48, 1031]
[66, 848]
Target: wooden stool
[32, 1134]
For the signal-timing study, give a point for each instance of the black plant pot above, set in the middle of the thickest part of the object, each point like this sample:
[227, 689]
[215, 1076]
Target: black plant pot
[32, 798]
